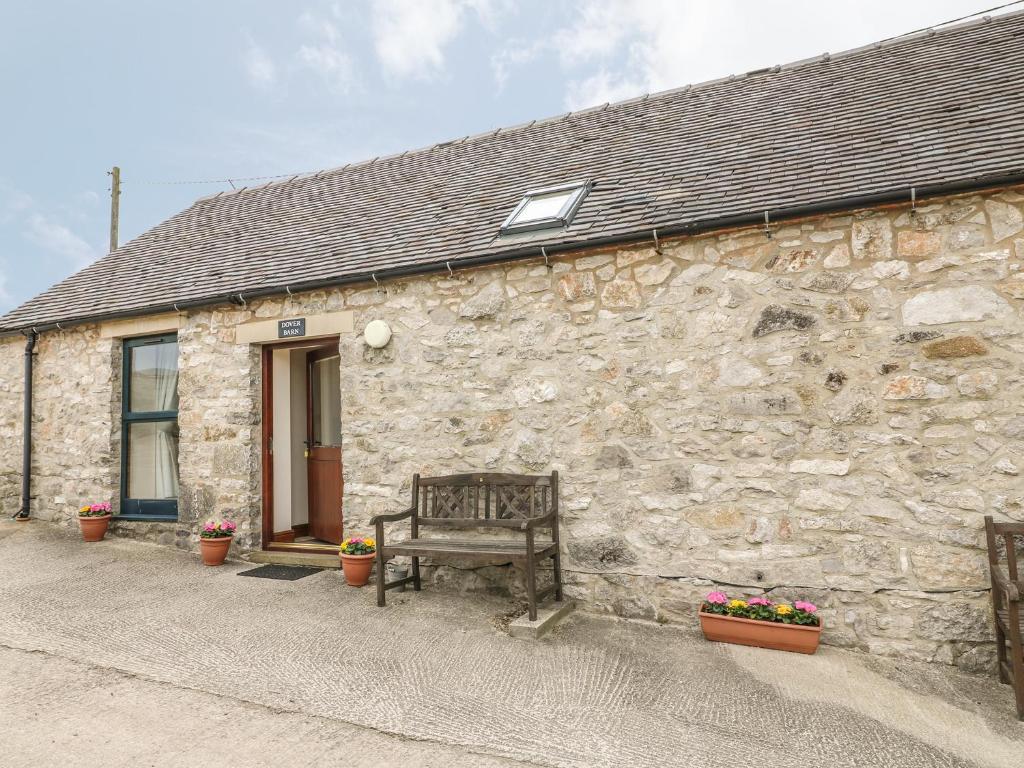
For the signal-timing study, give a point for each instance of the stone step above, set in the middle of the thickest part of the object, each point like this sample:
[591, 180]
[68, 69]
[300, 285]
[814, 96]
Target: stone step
[547, 617]
[309, 559]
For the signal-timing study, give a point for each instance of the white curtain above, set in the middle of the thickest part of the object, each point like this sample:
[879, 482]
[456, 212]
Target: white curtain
[165, 471]
[166, 380]
[166, 465]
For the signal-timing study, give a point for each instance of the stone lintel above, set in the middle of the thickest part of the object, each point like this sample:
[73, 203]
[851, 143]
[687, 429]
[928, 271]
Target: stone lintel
[317, 325]
[140, 326]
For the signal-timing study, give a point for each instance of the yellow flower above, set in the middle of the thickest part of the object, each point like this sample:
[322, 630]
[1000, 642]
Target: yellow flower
[737, 603]
[86, 508]
[783, 610]
[369, 542]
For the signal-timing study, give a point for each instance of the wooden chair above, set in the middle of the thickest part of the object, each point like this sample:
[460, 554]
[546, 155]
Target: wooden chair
[519, 503]
[1007, 592]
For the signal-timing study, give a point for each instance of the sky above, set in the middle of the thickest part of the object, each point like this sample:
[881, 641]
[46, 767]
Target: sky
[205, 91]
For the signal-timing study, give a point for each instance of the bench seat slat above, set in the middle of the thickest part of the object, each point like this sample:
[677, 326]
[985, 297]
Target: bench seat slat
[471, 547]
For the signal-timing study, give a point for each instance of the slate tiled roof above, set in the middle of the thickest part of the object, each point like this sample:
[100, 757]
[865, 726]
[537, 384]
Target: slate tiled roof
[936, 108]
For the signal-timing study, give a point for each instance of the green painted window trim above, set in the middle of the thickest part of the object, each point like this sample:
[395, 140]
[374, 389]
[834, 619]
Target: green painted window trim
[141, 509]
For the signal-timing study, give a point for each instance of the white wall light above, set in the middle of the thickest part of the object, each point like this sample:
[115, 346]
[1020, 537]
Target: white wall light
[377, 334]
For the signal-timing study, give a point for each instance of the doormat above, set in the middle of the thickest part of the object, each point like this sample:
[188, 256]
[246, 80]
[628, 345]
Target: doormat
[282, 572]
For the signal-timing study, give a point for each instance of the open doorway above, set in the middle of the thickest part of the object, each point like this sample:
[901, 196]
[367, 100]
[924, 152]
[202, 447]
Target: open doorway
[302, 478]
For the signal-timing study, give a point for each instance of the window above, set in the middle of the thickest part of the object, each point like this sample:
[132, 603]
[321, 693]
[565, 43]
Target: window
[149, 435]
[546, 208]
[325, 403]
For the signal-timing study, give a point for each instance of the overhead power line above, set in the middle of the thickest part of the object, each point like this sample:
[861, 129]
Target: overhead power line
[232, 180]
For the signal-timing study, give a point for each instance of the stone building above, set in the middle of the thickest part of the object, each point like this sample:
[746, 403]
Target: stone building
[767, 328]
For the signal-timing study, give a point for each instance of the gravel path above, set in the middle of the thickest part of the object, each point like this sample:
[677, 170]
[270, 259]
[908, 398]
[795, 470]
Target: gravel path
[121, 653]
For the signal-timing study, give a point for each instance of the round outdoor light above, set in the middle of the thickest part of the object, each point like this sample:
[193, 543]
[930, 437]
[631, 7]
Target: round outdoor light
[377, 333]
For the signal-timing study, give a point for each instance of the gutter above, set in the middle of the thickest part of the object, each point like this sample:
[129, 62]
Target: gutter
[533, 251]
[26, 442]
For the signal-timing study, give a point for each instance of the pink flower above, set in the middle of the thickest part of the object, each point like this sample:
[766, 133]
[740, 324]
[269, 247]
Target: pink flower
[759, 601]
[717, 598]
[802, 605]
[209, 526]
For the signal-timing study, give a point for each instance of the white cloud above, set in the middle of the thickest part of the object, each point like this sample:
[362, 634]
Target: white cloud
[5, 297]
[662, 41]
[325, 53]
[616, 49]
[57, 238]
[505, 60]
[259, 67]
[410, 36]
[13, 203]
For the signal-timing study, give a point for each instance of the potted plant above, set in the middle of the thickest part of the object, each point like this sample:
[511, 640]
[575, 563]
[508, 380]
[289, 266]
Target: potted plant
[761, 623]
[357, 560]
[215, 540]
[94, 519]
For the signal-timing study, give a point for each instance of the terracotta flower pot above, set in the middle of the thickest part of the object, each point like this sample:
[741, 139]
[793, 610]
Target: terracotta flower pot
[760, 634]
[357, 568]
[94, 528]
[214, 550]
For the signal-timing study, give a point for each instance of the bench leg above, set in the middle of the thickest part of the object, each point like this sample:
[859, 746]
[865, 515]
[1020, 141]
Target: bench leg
[416, 574]
[1017, 654]
[1018, 681]
[531, 587]
[380, 577]
[1001, 655]
[556, 563]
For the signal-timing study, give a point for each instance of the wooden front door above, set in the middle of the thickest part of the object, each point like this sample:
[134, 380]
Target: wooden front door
[323, 444]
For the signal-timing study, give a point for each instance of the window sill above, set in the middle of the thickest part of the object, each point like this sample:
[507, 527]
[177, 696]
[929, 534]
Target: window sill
[148, 518]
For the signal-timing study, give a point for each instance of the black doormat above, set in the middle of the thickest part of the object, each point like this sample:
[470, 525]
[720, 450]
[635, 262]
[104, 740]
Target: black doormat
[282, 572]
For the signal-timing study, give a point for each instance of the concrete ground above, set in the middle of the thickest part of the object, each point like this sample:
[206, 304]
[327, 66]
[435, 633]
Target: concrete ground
[126, 654]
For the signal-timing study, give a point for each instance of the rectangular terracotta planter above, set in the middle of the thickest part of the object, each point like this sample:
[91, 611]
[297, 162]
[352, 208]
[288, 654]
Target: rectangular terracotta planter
[760, 634]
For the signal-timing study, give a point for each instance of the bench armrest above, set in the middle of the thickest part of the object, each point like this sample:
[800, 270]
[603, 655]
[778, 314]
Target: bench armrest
[393, 517]
[538, 522]
[1002, 582]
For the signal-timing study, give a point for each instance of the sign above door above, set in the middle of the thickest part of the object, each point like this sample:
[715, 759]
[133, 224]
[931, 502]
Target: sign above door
[308, 327]
[287, 329]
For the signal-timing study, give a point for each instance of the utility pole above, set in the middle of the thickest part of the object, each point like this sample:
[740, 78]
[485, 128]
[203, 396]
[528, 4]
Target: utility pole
[115, 203]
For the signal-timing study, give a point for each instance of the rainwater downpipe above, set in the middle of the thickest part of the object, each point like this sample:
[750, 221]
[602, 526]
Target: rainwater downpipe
[26, 445]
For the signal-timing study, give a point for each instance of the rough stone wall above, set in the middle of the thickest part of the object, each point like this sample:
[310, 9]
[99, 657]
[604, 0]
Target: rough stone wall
[219, 423]
[76, 407]
[827, 413]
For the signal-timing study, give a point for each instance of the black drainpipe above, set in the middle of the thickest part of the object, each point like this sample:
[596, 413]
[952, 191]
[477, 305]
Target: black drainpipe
[26, 444]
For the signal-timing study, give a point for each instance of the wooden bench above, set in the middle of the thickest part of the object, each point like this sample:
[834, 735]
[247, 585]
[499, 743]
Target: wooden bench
[520, 503]
[1007, 604]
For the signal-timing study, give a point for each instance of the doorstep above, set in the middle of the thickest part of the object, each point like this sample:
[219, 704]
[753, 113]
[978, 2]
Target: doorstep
[294, 558]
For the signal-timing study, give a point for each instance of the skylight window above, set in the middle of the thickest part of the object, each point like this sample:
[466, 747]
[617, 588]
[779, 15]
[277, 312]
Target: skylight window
[546, 208]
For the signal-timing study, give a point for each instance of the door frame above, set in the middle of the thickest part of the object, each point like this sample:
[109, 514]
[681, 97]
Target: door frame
[267, 456]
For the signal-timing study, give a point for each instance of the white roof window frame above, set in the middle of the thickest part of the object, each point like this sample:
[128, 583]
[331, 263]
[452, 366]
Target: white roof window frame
[562, 218]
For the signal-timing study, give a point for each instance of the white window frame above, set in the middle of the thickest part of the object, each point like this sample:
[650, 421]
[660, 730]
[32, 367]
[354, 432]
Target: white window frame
[561, 219]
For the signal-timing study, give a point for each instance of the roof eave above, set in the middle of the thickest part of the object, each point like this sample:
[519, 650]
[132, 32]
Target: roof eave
[533, 251]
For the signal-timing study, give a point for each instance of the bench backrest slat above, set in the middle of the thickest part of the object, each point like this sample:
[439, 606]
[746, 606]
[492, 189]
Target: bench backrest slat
[1012, 535]
[457, 499]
